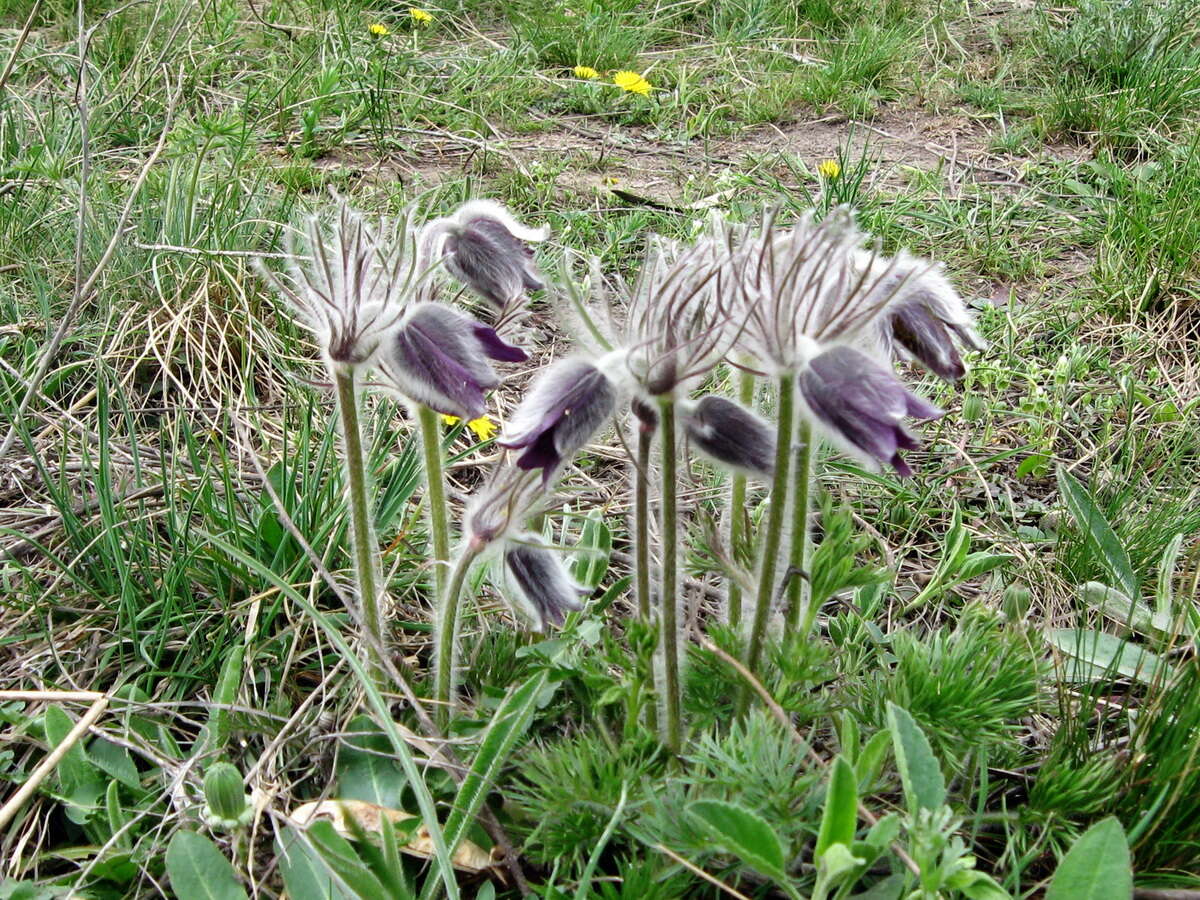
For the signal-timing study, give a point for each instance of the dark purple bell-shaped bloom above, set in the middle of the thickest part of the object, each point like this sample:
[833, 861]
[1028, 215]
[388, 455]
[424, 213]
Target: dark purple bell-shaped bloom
[561, 412]
[731, 435]
[486, 248]
[545, 590]
[862, 405]
[439, 358]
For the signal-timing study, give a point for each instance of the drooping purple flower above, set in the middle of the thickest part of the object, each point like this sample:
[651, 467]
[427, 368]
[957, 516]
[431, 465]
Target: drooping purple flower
[544, 589]
[486, 248]
[731, 435]
[561, 412]
[927, 321]
[862, 405]
[439, 358]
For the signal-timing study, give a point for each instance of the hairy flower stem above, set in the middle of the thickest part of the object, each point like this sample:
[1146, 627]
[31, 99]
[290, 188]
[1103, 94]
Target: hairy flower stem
[367, 567]
[737, 510]
[435, 493]
[447, 634]
[770, 552]
[670, 579]
[799, 585]
[641, 528]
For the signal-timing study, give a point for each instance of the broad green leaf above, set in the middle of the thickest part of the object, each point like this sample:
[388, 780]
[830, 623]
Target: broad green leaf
[1097, 867]
[1100, 536]
[1164, 598]
[366, 769]
[849, 736]
[924, 786]
[508, 725]
[199, 871]
[836, 861]
[839, 820]
[884, 831]
[870, 760]
[304, 875]
[888, 889]
[1132, 614]
[743, 833]
[1100, 655]
[115, 761]
[592, 552]
[977, 885]
[336, 855]
[74, 770]
[216, 730]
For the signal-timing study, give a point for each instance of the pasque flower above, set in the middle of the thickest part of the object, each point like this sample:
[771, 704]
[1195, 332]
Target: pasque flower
[545, 590]
[354, 283]
[862, 405]
[675, 328]
[566, 405]
[729, 434]
[439, 356]
[486, 248]
[927, 321]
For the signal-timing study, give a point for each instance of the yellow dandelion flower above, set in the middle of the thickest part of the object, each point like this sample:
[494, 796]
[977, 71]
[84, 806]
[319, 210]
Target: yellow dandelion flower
[420, 16]
[830, 169]
[585, 72]
[378, 30]
[450, 420]
[483, 427]
[632, 82]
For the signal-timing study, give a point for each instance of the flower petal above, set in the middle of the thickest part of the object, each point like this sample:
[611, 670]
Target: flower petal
[544, 587]
[862, 405]
[495, 347]
[561, 412]
[731, 435]
[437, 359]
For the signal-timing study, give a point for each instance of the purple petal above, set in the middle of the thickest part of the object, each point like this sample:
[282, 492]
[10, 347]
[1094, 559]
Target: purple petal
[495, 346]
[438, 361]
[561, 412]
[863, 404]
[546, 589]
[731, 435]
[492, 261]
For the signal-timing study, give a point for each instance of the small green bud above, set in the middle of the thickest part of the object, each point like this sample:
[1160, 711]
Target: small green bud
[226, 805]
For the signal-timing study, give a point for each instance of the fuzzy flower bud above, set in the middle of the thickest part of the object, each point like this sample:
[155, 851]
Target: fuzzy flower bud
[927, 321]
[861, 404]
[566, 406]
[485, 247]
[730, 435]
[439, 358]
[544, 589]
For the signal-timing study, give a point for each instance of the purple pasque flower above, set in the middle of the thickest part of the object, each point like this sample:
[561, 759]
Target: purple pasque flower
[730, 435]
[807, 286]
[862, 405]
[439, 356]
[351, 283]
[485, 247]
[678, 315]
[927, 321]
[566, 406]
[545, 590]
